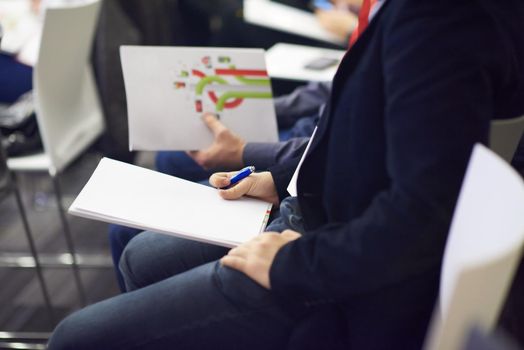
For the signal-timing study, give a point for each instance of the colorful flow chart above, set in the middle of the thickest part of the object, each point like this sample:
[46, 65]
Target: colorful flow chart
[225, 86]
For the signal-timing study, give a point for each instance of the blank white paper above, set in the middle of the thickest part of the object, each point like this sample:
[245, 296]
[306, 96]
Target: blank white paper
[129, 195]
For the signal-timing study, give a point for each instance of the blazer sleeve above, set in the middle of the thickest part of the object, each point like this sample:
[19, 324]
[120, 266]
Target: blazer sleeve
[305, 100]
[441, 76]
[264, 155]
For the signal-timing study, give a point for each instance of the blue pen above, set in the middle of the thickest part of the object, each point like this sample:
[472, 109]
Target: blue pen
[242, 174]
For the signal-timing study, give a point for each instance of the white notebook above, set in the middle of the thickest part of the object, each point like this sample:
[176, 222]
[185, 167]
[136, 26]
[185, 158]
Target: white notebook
[169, 88]
[129, 195]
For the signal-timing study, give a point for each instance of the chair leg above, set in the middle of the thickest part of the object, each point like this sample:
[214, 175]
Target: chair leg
[34, 253]
[69, 241]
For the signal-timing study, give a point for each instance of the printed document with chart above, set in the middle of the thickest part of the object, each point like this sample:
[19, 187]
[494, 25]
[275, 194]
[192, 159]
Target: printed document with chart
[169, 88]
[129, 195]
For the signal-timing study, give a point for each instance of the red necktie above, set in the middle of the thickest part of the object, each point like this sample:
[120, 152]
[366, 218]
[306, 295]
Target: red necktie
[363, 20]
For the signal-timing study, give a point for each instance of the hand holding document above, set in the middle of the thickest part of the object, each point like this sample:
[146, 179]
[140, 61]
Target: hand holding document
[125, 194]
[169, 89]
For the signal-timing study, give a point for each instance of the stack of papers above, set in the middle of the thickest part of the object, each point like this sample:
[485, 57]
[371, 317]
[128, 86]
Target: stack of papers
[125, 194]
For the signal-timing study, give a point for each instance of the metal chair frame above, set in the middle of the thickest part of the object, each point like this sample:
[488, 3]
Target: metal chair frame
[11, 187]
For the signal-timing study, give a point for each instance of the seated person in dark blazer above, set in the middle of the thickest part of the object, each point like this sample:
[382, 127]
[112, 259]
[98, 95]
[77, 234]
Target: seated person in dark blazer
[376, 190]
[297, 115]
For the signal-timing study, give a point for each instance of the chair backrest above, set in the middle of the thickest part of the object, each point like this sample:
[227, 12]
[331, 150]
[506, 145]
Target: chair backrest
[482, 252]
[505, 135]
[67, 104]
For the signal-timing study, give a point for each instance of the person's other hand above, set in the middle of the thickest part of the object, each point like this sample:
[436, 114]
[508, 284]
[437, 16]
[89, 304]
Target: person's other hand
[226, 150]
[255, 257]
[257, 185]
[339, 22]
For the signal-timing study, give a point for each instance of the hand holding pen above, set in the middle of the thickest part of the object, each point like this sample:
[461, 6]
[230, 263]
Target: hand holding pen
[234, 185]
[242, 174]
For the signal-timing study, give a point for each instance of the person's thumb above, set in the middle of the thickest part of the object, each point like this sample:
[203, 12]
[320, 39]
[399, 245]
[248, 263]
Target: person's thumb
[213, 123]
[290, 234]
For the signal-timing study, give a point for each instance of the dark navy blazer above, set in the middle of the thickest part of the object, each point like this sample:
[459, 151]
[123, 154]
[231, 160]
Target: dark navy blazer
[379, 184]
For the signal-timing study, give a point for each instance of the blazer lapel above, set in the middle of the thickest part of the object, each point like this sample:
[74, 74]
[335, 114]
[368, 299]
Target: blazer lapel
[346, 68]
[352, 56]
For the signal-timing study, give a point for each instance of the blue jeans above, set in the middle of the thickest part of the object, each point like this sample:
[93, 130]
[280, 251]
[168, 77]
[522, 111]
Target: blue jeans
[180, 298]
[119, 237]
[287, 217]
[151, 257]
[179, 164]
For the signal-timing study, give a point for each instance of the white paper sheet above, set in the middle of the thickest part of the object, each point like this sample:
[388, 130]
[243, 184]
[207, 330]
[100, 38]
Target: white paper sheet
[483, 249]
[169, 88]
[287, 61]
[129, 195]
[288, 19]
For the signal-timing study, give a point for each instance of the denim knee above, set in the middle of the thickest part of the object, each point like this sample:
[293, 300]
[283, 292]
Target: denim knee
[64, 336]
[128, 265]
[119, 237]
[93, 327]
[151, 257]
